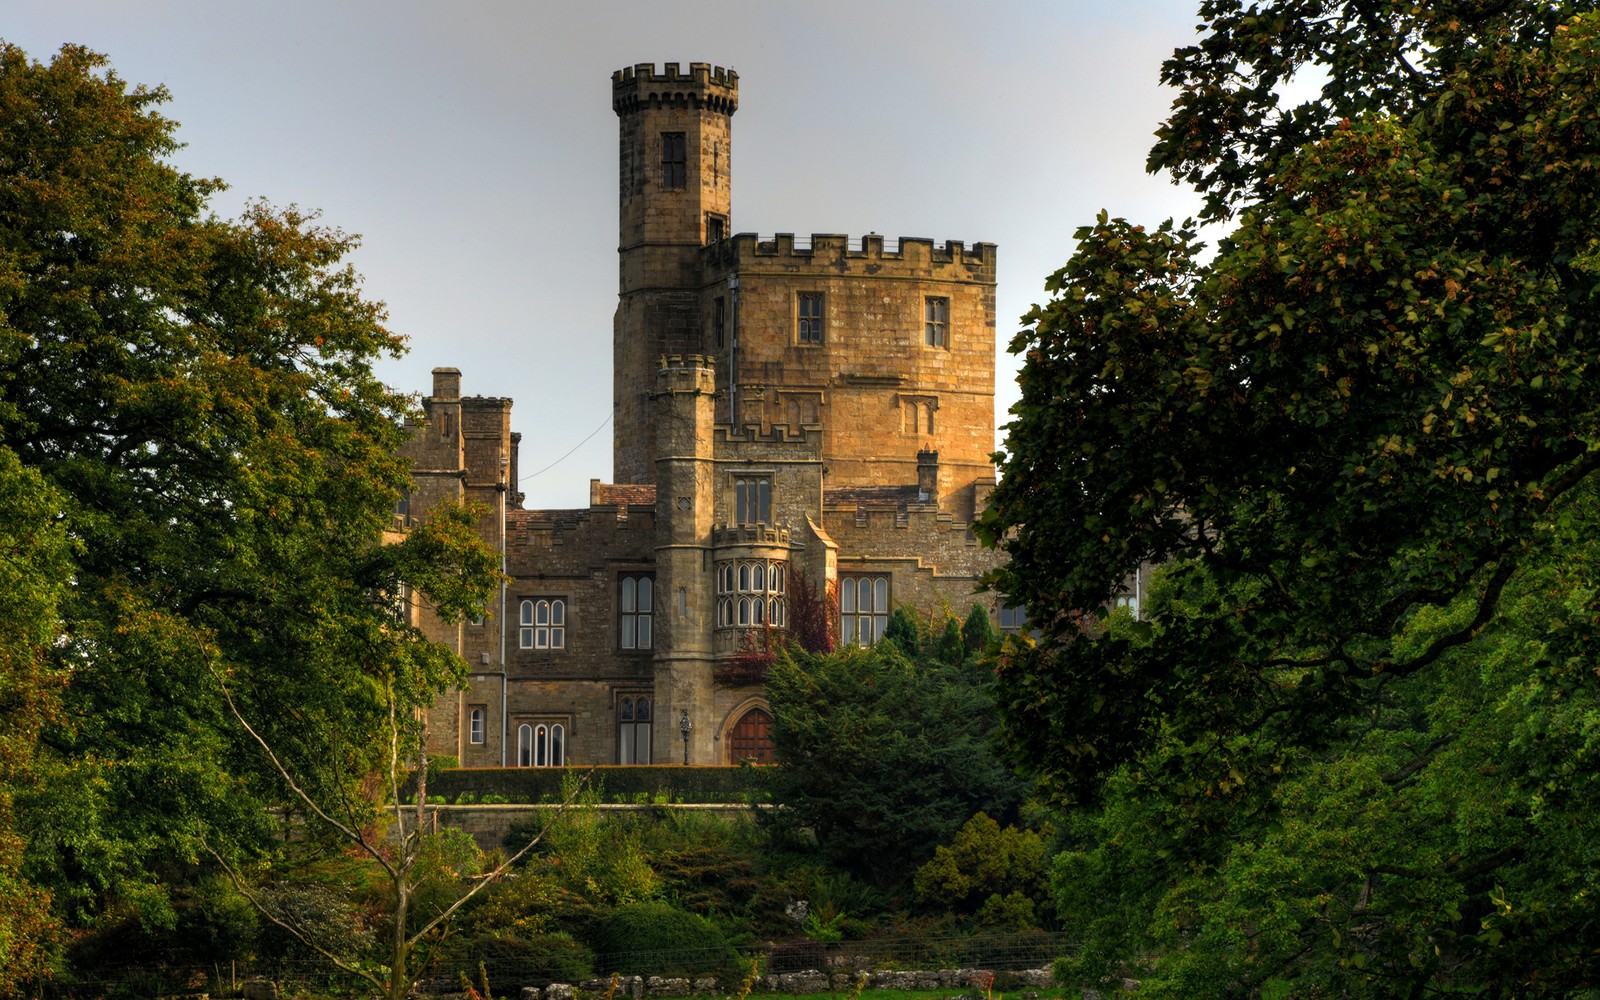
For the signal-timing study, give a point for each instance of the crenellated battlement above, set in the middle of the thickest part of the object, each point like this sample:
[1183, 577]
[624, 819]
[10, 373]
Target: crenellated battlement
[911, 253]
[703, 86]
[777, 433]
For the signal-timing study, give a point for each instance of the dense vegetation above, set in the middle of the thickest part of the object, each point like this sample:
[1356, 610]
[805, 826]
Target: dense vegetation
[1352, 750]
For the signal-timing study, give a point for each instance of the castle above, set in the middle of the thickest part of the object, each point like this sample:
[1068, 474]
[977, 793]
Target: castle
[791, 417]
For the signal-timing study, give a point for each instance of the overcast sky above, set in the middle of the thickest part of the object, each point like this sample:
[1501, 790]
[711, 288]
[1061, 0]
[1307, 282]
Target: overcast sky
[472, 146]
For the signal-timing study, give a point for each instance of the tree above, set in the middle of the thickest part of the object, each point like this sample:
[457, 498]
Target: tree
[199, 395]
[1361, 435]
[33, 572]
[881, 756]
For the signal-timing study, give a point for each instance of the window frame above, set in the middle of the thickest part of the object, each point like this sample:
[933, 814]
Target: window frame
[636, 611]
[542, 623]
[541, 742]
[477, 725]
[752, 593]
[674, 161]
[851, 614]
[810, 318]
[752, 494]
[936, 321]
[631, 729]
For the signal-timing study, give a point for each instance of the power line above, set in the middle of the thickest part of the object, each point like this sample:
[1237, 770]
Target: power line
[568, 455]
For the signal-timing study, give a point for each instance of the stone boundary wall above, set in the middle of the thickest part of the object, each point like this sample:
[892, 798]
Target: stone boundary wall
[813, 981]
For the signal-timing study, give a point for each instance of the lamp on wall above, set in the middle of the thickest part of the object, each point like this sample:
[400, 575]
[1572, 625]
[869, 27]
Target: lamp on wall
[685, 727]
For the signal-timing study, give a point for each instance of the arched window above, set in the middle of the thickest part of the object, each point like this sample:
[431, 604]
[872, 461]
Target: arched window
[863, 609]
[541, 744]
[750, 592]
[633, 729]
[475, 726]
[543, 623]
[635, 607]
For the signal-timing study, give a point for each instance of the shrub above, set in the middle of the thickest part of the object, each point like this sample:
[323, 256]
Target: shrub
[657, 938]
[798, 955]
[537, 958]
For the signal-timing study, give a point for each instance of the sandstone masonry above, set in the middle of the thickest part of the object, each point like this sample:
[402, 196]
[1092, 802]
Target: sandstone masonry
[788, 411]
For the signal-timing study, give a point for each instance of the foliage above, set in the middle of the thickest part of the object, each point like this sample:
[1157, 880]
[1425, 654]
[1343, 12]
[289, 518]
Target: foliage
[34, 572]
[535, 959]
[882, 757]
[1363, 435]
[976, 631]
[813, 615]
[653, 937]
[996, 872]
[198, 396]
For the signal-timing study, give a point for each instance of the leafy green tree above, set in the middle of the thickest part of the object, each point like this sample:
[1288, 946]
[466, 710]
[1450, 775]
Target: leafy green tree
[881, 756]
[34, 570]
[1363, 434]
[198, 395]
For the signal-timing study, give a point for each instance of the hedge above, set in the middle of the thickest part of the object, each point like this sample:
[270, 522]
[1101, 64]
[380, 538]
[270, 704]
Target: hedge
[617, 782]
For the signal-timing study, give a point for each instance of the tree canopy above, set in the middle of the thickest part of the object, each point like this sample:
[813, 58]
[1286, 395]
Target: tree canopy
[884, 754]
[1362, 436]
[197, 397]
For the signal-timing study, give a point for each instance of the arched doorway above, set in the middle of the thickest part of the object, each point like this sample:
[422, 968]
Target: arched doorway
[751, 738]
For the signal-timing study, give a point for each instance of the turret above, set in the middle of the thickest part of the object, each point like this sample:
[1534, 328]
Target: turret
[674, 197]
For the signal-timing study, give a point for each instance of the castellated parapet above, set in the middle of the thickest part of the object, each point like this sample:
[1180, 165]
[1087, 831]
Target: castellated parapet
[914, 255]
[703, 86]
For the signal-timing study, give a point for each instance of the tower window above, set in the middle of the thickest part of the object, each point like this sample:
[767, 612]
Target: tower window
[936, 312]
[673, 161]
[719, 321]
[808, 318]
[752, 593]
[635, 604]
[752, 499]
[475, 724]
[716, 227]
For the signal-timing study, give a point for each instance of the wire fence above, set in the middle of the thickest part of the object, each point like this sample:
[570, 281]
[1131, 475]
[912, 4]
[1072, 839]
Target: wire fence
[901, 963]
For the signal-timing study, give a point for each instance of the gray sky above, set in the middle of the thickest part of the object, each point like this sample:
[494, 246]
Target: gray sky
[472, 145]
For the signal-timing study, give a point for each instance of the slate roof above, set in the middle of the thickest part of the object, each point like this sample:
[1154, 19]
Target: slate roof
[895, 498]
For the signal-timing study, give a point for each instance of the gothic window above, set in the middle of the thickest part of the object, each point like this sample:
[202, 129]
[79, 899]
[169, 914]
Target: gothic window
[635, 606]
[808, 318]
[751, 592]
[633, 729]
[543, 623]
[673, 168]
[752, 499]
[936, 314]
[541, 744]
[863, 609]
[475, 724]
[1013, 620]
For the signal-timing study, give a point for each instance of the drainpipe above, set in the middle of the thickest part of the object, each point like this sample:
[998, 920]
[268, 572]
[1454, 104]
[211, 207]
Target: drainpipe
[733, 350]
[504, 488]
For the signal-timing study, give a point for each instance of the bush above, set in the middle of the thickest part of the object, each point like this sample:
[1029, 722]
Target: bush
[525, 961]
[799, 955]
[656, 938]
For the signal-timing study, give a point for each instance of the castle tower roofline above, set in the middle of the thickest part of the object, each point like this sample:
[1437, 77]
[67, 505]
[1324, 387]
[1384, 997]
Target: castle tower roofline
[703, 86]
[750, 249]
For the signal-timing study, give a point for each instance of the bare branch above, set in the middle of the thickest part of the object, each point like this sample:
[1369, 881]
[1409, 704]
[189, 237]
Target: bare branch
[296, 932]
[505, 865]
[283, 772]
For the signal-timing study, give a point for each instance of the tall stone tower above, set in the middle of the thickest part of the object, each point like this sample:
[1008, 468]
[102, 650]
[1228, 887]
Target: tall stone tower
[673, 161]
